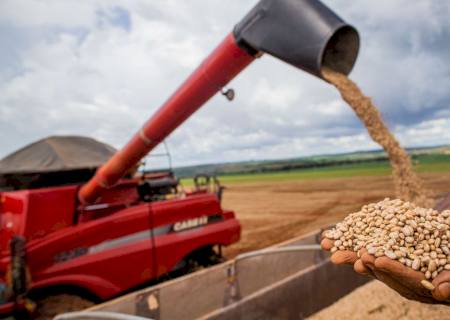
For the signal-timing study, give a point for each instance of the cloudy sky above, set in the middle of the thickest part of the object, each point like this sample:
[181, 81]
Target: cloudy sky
[101, 68]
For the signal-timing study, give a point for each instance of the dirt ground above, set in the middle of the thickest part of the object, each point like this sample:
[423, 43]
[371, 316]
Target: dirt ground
[380, 303]
[272, 212]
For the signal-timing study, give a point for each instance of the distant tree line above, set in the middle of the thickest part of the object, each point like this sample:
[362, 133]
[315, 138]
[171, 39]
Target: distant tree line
[275, 166]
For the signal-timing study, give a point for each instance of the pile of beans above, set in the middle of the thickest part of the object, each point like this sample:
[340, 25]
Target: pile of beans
[416, 237]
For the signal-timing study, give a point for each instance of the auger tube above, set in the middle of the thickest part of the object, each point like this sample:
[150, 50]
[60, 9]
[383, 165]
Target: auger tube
[303, 33]
[224, 63]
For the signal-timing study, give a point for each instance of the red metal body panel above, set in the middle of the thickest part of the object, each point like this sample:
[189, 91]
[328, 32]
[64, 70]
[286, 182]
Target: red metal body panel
[7, 308]
[113, 246]
[35, 213]
[224, 63]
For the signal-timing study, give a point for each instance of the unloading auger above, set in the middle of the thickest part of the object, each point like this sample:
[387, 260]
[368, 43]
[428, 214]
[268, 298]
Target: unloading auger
[303, 33]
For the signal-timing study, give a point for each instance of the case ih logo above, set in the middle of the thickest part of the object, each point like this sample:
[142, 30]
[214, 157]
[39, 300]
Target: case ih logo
[189, 224]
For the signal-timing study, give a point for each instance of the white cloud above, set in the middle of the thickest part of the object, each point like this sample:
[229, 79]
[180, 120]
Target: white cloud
[426, 133]
[101, 68]
[277, 96]
[68, 13]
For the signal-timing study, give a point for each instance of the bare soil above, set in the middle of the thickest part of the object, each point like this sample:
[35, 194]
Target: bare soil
[272, 212]
[376, 301]
[51, 306]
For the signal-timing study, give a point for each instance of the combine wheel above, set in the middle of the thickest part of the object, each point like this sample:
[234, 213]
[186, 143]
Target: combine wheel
[50, 306]
[202, 258]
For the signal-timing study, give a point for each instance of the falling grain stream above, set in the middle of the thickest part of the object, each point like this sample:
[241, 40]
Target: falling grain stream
[408, 186]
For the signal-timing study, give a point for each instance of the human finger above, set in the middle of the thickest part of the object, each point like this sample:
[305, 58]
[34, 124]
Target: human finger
[327, 244]
[442, 286]
[344, 257]
[362, 269]
[368, 260]
[411, 293]
[402, 274]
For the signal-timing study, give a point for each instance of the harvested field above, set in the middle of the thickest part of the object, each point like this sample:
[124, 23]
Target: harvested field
[271, 212]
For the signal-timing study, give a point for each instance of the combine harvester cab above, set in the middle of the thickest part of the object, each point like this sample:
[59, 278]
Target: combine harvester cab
[140, 230]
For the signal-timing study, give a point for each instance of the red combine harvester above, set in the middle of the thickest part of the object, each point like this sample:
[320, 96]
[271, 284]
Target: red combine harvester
[109, 235]
[142, 229]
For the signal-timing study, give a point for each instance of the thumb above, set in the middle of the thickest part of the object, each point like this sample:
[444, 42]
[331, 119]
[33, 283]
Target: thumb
[442, 286]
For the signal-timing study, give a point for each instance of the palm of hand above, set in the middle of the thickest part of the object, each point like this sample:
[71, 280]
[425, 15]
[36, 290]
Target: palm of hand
[402, 279]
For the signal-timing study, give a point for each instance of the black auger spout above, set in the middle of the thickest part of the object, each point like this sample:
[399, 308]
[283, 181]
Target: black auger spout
[303, 33]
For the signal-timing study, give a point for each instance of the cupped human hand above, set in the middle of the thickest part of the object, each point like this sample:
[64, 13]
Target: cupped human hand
[404, 280]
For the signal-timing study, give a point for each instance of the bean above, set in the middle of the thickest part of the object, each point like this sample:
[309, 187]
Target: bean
[427, 284]
[416, 264]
